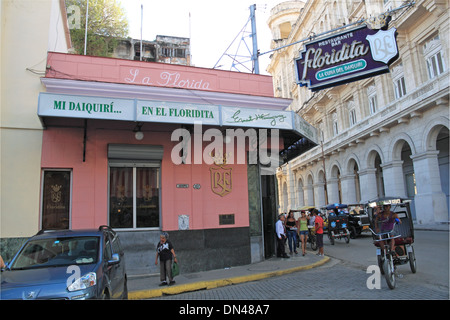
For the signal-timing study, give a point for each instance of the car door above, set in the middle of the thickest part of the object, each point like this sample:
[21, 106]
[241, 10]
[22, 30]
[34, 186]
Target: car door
[116, 268]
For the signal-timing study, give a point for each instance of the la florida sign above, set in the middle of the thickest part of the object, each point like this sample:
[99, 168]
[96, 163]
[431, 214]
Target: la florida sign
[345, 57]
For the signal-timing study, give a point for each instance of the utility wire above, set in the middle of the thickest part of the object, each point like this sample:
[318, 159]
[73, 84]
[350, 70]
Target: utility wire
[409, 4]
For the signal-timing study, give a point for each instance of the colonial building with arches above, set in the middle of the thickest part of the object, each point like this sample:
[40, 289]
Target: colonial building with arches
[386, 135]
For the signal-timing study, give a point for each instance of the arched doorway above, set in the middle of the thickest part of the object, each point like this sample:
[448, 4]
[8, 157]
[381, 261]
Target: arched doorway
[402, 173]
[372, 182]
[442, 145]
[335, 191]
[354, 186]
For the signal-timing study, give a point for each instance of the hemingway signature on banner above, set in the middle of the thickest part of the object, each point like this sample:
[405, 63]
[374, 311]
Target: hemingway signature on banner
[167, 79]
[256, 117]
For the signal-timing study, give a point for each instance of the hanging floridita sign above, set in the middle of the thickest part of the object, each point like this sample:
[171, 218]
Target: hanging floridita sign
[345, 57]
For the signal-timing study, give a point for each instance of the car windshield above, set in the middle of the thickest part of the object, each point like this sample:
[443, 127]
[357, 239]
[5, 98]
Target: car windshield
[57, 252]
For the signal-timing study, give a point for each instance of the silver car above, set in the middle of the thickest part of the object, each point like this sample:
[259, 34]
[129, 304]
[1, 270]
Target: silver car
[67, 264]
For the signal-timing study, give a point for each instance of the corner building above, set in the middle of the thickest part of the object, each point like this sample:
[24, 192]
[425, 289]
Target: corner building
[133, 144]
[383, 136]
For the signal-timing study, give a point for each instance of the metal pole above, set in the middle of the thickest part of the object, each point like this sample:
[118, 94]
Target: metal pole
[85, 32]
[190, 42]
[142, 14]
[254, 39]
[410, 4]
[325, 189]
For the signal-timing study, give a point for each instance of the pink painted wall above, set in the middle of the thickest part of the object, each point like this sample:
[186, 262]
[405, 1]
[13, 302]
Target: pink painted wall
[63, 148]
[88, 68]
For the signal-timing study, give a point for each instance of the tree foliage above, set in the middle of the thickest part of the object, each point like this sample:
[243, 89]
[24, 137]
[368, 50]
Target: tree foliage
[107, 24]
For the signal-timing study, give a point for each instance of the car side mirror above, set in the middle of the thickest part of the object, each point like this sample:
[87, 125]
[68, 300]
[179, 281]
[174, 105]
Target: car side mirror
[114, 259]
[6, 267]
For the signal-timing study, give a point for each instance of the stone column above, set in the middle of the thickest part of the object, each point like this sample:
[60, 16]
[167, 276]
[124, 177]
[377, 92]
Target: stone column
[290, 180]
[348, 189]
[430, 201]
[308, 191]
[319, 194]
[280, 191]
[333, 190]
[394, 181]
[368, 182]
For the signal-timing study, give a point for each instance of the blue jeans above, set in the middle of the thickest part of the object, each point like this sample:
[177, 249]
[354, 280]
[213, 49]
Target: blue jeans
[292, 240]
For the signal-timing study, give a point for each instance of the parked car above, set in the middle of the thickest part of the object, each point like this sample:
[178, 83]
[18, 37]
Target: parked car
[67, 264]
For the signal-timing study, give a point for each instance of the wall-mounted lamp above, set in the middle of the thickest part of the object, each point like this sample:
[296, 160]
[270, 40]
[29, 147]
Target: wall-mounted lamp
[138, 134]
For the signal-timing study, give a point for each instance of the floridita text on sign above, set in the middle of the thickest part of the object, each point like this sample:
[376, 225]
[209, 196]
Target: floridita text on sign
[345, 57]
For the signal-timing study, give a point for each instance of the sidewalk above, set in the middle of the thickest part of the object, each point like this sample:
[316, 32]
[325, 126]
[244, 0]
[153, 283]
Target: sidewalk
[147, 286]
[432, 227]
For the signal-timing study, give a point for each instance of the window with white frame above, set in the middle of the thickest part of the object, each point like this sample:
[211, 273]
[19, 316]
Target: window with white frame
[334, 120]
[134, 192]
[398, 79]
[351, 112]
[433, 54]
[320, 126]
[387, 5]
[352, 116]
[134, 186]
[372, 98]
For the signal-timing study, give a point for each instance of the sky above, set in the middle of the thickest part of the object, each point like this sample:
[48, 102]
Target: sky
[212, 26]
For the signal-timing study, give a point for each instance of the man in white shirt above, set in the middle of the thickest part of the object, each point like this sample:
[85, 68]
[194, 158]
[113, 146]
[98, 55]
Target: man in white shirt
[281, 237]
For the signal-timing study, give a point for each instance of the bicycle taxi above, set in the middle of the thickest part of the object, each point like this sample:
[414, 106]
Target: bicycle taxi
[337, 222]
[394, 245]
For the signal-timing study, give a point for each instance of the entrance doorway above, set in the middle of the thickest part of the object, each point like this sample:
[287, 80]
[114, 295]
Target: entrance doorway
[269, 210]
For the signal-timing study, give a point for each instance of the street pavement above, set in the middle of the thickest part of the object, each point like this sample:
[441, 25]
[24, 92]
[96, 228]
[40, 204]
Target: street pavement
[147, 286]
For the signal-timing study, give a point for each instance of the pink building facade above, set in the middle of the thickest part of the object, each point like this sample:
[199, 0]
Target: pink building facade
[140, 146]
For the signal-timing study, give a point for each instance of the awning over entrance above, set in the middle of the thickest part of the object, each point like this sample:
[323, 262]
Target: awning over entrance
[137, 110]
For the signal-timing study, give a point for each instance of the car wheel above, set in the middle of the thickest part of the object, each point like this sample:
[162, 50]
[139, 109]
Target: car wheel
[352, 232]
[105, 295]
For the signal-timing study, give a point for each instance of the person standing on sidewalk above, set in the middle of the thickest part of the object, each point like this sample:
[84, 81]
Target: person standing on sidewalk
[165, 251]
[291, 228]
[281, 237]
[318, 227]
[303, 230]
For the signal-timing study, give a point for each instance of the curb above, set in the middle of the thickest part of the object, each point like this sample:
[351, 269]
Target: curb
[205, 285]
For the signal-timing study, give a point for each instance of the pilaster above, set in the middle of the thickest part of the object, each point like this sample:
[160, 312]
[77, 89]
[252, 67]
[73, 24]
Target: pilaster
[394, 184]
[430, 201]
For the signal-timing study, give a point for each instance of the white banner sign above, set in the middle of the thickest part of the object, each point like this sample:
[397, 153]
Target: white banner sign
[175, 112]
[306, 130]
[69, 106]
[60, 105]
[258, 118]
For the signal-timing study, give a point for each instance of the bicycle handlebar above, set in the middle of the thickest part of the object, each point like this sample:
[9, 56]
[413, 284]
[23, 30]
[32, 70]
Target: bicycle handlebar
[380, 234]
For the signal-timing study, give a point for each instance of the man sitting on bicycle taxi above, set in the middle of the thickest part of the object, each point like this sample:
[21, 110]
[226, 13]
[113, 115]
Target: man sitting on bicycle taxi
[384, 222]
